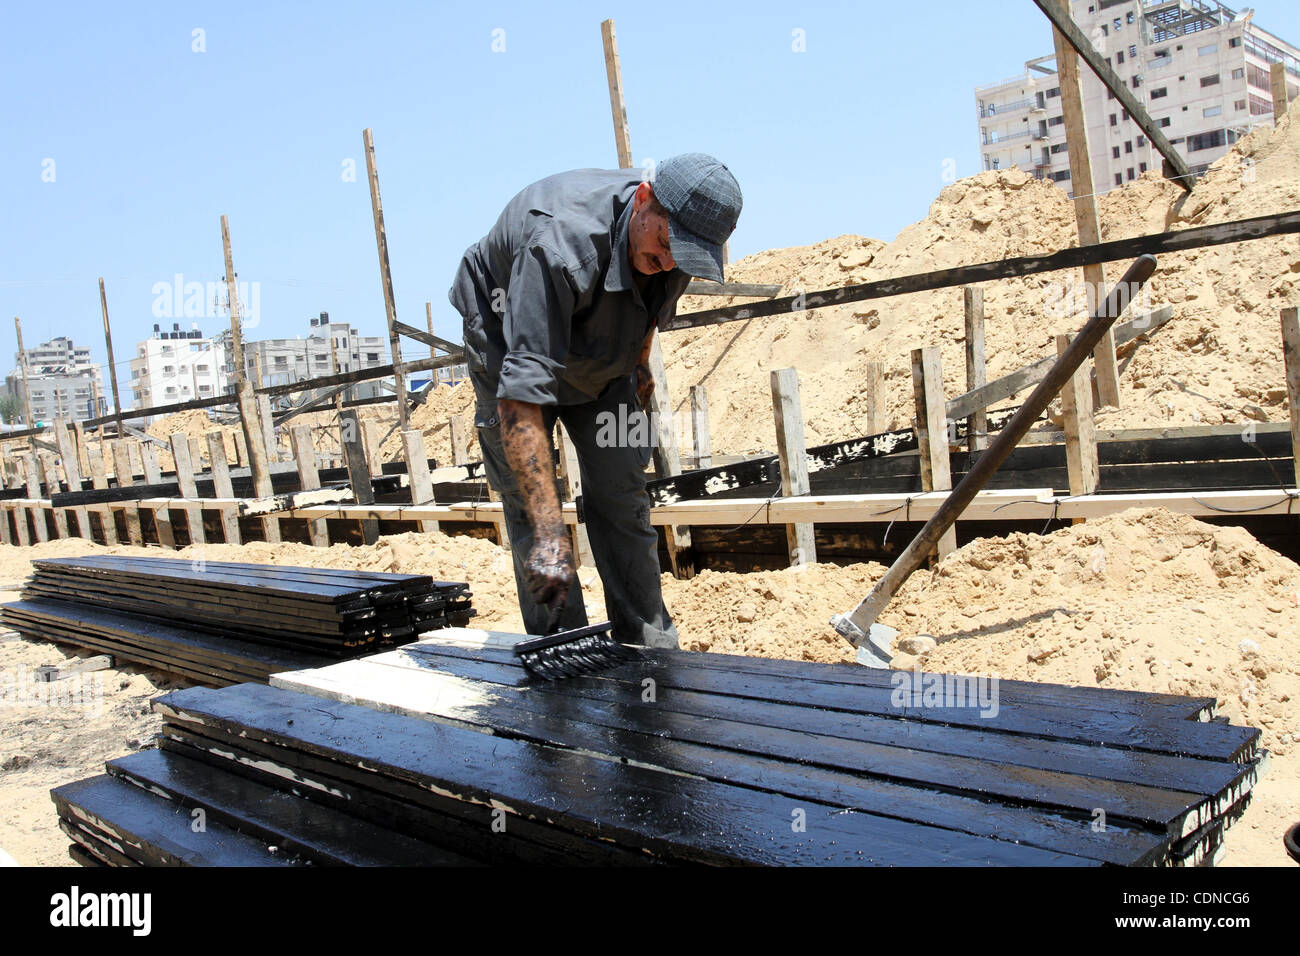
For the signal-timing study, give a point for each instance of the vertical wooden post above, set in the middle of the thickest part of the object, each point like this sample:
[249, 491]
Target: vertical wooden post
[875, 398]
[268, 427]
[20, 514]
[5, 536]
[571, 473]
[162, 518]
[112, 365]
[22, 366]
[80, 451]
[700, 427]
[334, 364]
[668, 462]
[1277, 87]
[976, 367]
[417, 472]
[1080, 429]
[800, 539]
[99, 479]
[617, 105]
[1291, 355]
[932, 431]
[433, 350]
[305, 458]
[130, 510]
[249, 417]
[189, 489]
[51, 479]
[241, 450]
[458, 434]
[72, 472]
[1085, 201]
[222, 487]
[358, 471]
[371, 441]
[386, 279]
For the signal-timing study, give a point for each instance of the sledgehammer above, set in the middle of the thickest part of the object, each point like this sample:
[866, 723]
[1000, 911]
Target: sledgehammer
[860, 628]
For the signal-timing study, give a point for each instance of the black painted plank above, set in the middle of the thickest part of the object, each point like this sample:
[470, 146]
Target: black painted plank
[279, 819]
[799, 766]
[93, 847]
[152, 832]
[673, 816]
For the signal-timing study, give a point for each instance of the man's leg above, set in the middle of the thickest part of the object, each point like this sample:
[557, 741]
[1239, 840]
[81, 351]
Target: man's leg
[536, 617]
[617, 511]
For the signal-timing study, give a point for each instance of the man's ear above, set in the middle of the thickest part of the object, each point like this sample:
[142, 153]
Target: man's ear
[644, 193]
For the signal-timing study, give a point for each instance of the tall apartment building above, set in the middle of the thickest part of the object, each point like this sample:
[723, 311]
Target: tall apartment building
[285, 361]
[63, 381]
[1200, 69]
[178, 365]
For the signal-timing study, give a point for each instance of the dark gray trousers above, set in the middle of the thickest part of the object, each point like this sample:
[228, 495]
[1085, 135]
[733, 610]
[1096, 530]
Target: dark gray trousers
[616, 507]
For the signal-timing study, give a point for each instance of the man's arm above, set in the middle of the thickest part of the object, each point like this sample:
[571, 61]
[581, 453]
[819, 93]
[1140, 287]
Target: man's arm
[528, 452]
[645, 381]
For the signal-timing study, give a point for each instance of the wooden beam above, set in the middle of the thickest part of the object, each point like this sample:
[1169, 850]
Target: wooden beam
[99, 479]
[700, 427]
[976, 365]
[130, 509]
[1175, 166]
[153, 475]
[571, 474]
[355, 455]
[112, 364]
[667, 460]
[417, 472]
[304, 457]
[386, 278]
[617, 105]
[222, 487]
[180, 446]
[51, 479]
[707, 287]
[1291, 356]
[458, 432]
[428, 338]
[72, 472]
[800, 542]
[932, 431]
[1080, 428]
[372, 442]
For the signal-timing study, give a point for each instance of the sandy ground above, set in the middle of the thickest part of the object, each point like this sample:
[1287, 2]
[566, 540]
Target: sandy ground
[1142, 600]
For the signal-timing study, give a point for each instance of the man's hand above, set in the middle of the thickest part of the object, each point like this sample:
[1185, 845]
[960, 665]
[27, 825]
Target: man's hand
[645, 386]
[551, 571]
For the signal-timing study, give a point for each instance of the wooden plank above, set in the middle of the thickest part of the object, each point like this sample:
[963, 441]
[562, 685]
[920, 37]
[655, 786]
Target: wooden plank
[34, 507]
[932, 431]
[700, 427]
[976, 364]
[706, 287]
[1277, 89]
[188, 488]
[98, 479]
[571, 475]
[800, 544]
[51, 479]
[112, 364]
[267, 421]
[130, 510]
[222, 487]
[371, 441]
[71, 463]
[417, 470]
[428, 338]
[304, 456]
[617, 105]
[875, 386]
[386, 279]
[153, 475]
[1080, 428]
[1291, 357]
[359, 472]
[666, 458]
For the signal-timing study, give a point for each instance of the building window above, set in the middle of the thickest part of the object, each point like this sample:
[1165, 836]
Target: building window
[1128, 17]
[1137, 82]
[1115, 23]
[1211, 80]
[1114, 121]
[1207, 50]
[372, 356]
[1234, 42]
[1060, 147]
[1206, 140]
[282, 360]
[1128, 146]
[1114, 152]
[1130, 172]
[1142, 168]
[1140, 142]
[1133, 51]
[169, 370]
[1056, 121]
[1119, 179]
[1239, 105]
[1119, 57]
[1061, 176]
[1212, 111]
[1239, 73]
[1054, 91]
[1163, 121]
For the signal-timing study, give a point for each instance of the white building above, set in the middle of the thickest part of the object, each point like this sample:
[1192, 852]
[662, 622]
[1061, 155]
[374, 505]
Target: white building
[177, 366]
[63, 381]
[285, 361]
[1200, 69]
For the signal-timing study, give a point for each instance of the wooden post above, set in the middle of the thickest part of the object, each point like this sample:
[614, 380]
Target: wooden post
[1291, 355]
[875, 398]
[196, 454]
[36, 510]
[1277, 86]
[668, 462]
[417, 471]
[189, 489]
[5, 536]
[99, 479]
[458, 433]
[222, 487]
[617, 105]
[800, 539]
[72, 473]
[386, 279]
[112, 367]
[571, 473]
[268, 427]
[932, 431]
[1085, 200]
[130, 510]
[433, 350]
[305, 458]
[51, 479]
[1080, 429]
[371, 441]
[254, 436]
[976, 367]
[162, 518]
[80, 450]
[22, 365]
[358, 471]
[334, 364]
[241, 451]
[700, 427]
[21, 530]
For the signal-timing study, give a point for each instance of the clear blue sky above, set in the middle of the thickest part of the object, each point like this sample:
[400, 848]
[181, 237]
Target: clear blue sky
[152, 142]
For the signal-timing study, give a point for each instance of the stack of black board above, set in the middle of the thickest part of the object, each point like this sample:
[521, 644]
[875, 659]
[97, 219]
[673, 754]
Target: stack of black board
[226, 622]
[446, 750]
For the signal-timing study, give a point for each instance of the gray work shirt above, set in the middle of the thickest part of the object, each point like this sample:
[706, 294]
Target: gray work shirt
[551, 306]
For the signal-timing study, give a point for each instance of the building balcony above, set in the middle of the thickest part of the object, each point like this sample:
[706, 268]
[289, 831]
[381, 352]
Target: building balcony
[1003, 109]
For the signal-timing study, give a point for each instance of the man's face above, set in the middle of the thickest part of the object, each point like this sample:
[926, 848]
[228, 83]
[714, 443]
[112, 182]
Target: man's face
[648, 248]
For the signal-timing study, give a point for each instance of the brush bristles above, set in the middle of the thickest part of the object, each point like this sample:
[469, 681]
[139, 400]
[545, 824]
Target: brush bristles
[586, 655]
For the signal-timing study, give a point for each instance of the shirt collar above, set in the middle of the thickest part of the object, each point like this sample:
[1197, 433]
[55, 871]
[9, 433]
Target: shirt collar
[619, 277]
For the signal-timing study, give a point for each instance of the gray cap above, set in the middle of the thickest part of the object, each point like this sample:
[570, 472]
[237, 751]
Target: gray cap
[703, 202]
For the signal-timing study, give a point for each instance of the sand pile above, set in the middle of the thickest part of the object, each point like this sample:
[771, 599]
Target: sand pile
[193, 424]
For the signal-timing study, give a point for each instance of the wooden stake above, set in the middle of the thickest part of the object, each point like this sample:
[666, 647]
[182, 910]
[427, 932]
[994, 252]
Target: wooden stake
[1277, 86]
[1086, 216]
[668, 462]
[875, 386]
[112, 366]
[571, 474]
[932, 431]
[99, 479]
[72, 472]
[617, 106]
[268, 427]
[1080, 429]
[188, 488]
[417, 472]
[22, 365]
[976, 367]
[51, 479]
[386, 279]
[800, 539]
[458, 432]
[371, 442]
[1291, 356]
[222, 487]
[433, 351]
[700, 427]
[358, 471]
[308, 476]
[123, 471]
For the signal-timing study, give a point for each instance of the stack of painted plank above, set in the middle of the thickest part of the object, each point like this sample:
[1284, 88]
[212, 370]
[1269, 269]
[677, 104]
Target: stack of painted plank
[228, 622]
[674, 758]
